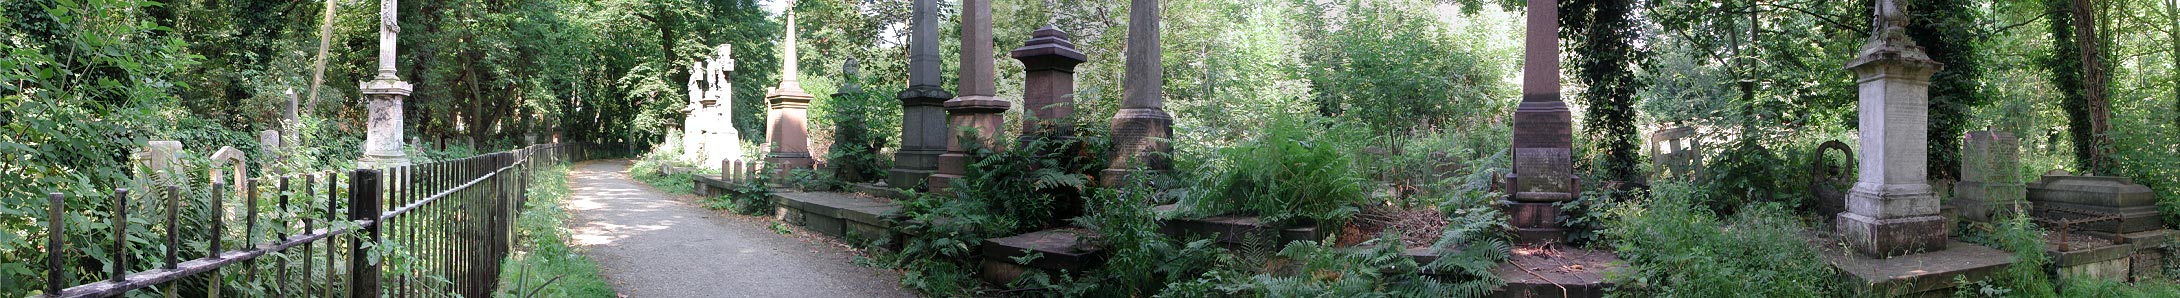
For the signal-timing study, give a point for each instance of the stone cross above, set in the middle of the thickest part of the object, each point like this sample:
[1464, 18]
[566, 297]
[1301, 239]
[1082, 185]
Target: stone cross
[382, 142]
[788, 136]
[1049, 60]
[1888, 14]
[1543, 171]
[1142, 126]
[1892, 209]
[923, 119]
[974, 115]
[721, 140]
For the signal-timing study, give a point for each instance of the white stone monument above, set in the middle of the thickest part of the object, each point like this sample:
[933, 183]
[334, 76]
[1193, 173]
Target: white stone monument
[382, 144]
[1892, 209]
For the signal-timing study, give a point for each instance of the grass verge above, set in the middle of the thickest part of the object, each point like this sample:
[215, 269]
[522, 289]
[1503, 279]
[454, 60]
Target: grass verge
[543, 264]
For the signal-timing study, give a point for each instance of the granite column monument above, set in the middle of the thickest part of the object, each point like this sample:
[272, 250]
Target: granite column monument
[975, 109]
[1543, 136]
[923, 120]
[1142, 126]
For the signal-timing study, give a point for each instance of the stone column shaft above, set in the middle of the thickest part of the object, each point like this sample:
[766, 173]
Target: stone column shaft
[1543, 136]
[975, 109]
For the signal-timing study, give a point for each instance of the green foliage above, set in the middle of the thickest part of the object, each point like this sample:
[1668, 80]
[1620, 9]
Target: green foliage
[650, 171]
[746, 197]
[1375, 268]
[1299, 169]
[1424, 79]
[543, 264]
[855, 154]
[2027, 277]
[1605, 33]
[1675, 248]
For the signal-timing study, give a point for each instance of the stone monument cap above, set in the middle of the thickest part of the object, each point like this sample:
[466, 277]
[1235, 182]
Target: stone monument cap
[1049, 43]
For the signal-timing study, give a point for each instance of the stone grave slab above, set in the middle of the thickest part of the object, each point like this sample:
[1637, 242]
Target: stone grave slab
[1556, 273]
[1233, 231]
[1065, 249]
[1915, 274]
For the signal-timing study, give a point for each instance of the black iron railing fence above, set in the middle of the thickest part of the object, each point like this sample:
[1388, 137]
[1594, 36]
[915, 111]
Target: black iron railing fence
[424, 230]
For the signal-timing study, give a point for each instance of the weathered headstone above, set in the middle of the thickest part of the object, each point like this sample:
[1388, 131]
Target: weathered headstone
[1142, 127]
[1892, 209]
[1677, 152]
[291, 122]
[1049, 60]
[1990, 184]
[721, 140]
[229, 158]
[975, 109]
[382, 144]
[789, 137]
[159, 163]
[923, 120]
[1543, 136]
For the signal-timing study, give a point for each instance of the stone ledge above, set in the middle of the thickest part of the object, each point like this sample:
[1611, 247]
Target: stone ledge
[840, 215]
[1063, 249]
[1233, 230]
[1914, 274]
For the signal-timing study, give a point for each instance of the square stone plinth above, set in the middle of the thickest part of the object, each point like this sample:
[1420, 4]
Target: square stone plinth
[1930, 273]
[1883, 238]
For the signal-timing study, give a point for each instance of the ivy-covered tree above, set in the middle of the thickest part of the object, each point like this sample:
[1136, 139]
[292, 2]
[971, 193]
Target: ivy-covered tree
[1947, 31]
[1606, 61]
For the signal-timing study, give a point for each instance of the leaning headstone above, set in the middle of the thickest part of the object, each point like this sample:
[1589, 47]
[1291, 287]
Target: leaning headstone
[1142, 127]
[1677, 152]
[975, 109]
[1990, 185]
[923, 119]
[1892, 210]
[789, 136]
[384, 93]
[1543, 136]
[2070, 197]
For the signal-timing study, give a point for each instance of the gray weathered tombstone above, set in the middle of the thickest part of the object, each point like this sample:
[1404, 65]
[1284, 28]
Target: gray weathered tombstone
[975, 109]
[721, 140]
[1892, 209]
[159, 163]
[692, 135]
[923, 117]
[1142, 127]
[230, 158]
[2067, 197]
[788, 137]
[1990, 184]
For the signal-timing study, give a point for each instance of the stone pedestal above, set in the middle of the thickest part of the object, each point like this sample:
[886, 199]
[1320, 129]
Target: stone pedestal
[722, 142]
[976, 110]
[1891, 210]
[382, 143]
[1049, 60]
[1990, 187]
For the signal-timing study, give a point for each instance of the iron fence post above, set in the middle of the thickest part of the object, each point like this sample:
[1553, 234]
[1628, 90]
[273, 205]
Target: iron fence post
[364, 205]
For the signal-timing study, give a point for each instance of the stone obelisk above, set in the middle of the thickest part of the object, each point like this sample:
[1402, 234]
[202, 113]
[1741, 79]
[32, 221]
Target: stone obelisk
[384, 93]
[722, 141]
[789, 136]
[975, 110]
[1142, 127]
[923, 120]
[1543, 136]
[1892, 210]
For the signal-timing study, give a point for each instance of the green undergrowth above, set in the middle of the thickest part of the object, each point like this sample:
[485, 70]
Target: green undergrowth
[1300, 168]
[647, 170]
[1675, 247]
[543, 264]
[746, 197]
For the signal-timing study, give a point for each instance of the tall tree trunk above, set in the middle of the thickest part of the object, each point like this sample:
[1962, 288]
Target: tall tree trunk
[2096, 83]
[325, 42]
[2172, 38]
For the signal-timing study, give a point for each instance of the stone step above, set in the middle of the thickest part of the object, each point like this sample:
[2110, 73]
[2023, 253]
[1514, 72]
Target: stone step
[853, 218]
[1063, 249]
[1920, 274]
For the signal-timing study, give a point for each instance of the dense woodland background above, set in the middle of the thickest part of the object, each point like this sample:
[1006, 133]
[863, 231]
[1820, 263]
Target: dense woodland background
[2090, 86]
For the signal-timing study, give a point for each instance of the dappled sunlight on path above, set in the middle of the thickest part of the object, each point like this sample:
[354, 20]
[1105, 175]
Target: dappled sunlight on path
[656, 244]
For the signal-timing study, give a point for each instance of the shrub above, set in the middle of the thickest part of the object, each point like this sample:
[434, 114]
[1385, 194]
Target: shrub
[1676, 248]
[1298, 169]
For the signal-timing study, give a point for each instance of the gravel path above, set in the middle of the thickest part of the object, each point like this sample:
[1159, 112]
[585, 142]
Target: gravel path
[656, 244]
